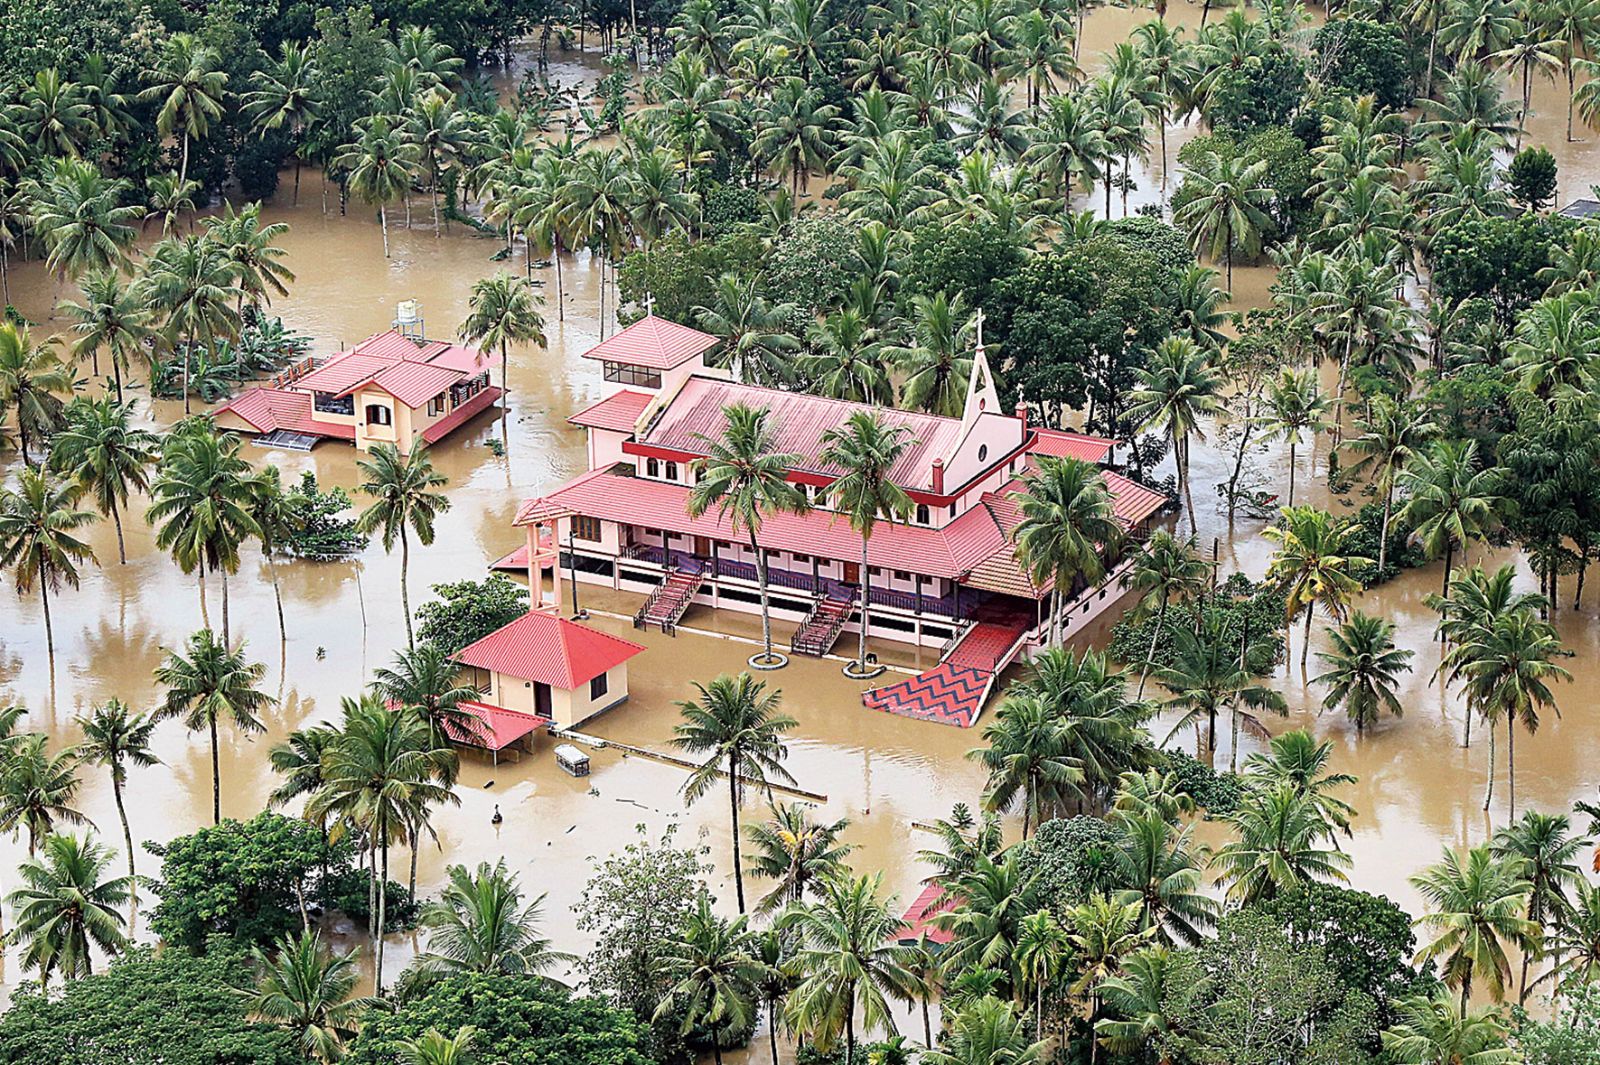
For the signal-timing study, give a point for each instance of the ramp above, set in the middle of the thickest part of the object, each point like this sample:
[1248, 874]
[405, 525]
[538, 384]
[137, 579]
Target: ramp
[954, 691]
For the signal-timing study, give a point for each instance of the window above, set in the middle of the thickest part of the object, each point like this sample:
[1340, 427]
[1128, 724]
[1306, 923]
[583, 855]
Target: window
[378, 414]
[436, 405]
[952, 510]
[652, 467]
[923, 517]
[672, 471]
[983, 452]
[586, 528]
[902, 575]
[598, 687]
[803, 560]
[328, 403]
[623, 374]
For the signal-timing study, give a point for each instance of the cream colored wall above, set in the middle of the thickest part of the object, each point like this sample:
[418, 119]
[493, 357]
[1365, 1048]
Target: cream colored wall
[569, 708]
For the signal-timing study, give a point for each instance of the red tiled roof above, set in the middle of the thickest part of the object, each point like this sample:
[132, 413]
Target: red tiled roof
[610, 496]
[798, 423]
[619, 411]
[392, 344]
[1061, 444]
[1132, 502]
[653, 342]
[343, 372]
[461, 415]
[494, 728]
[920, 915]
[543, 648]
[268, 409]
[414, 383]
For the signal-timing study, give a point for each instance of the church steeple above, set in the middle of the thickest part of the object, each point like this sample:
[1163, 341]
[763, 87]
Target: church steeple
[982, 395]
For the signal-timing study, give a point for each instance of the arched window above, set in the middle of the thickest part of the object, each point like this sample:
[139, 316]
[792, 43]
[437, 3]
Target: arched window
[378, 414]
[672, 471]
[922, 514]
[983, 452]
[652, 467]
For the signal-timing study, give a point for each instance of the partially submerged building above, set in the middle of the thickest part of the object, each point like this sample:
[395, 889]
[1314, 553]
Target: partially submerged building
[394, 387]
[948, 577]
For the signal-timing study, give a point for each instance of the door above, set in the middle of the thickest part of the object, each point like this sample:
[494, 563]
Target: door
[702, 547]
[852, 572]
[541, 699]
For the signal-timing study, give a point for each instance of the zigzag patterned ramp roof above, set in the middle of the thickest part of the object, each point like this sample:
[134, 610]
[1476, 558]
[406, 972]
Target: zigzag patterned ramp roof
[947, 694]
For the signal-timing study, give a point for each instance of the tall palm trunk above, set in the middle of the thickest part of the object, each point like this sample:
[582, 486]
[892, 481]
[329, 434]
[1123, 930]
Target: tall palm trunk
[127, 833]
[1291, 472]
[1305, 645]
[1180, 452]
[225, 633]
[866, 603]
[216, 773]
[1383, 532]
[383, 222]
[1155, 634]
[766, 610]
[116, 520]
[49, 632]
[405, 594]
[733, 810]
[1488, 791]
[277, 595]
[383, 899]
[183, 167]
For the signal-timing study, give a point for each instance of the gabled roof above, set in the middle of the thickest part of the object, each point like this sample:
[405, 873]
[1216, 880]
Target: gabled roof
[919, 917]
[270, 409]
[654, 343]
[342, 373]
[493, 728]
[618, 412]
[414, 383]
[1061, 444]
[546, 649]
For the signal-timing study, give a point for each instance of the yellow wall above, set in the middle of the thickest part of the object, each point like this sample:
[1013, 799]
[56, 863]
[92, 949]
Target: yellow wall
[567, 708]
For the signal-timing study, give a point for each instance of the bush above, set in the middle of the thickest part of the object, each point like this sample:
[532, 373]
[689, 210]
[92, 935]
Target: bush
[1498, 258]
[1218, 794]
[1149, 234]
[467, 611]
[966, 258]
[680, 275]
[1532, 177]
[520, 1020]
[1402, 553]
[813, 264]
[1265, 91]
[1363, 58]
[1071, 858]
[1234, 600]
[319, 528]
[725, 208]
[166, 1006]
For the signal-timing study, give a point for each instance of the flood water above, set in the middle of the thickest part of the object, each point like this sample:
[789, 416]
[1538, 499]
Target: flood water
[1419, 790]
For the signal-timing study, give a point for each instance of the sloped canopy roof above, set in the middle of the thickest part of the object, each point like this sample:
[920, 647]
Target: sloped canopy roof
[546, 649]
[654, 343]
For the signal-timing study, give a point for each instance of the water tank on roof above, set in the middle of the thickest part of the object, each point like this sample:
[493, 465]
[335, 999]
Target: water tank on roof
[408, 318]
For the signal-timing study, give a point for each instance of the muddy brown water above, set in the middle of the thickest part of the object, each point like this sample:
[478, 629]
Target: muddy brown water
[1418, 791]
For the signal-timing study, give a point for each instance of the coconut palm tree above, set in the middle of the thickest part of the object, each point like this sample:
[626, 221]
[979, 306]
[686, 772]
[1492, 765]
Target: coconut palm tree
[866, 450]
[32, 379]
[435, 1048]
[1102, 728]
[796, 131]
[1159, 867]
[481, 923]
[1210, 672]
[380, 776]
[794, 851]
[1041, 956]
[115, 737]
[504, 312]
[1312, 566]
[1364, 669]
[736, 725]
[1295, 407]
[1436, 1030]
[715, 974]
[203, 506]
[1138, 1000]
[193, 285]
[1557, 345]
[937, 363]
[190, 87]
[65, 910]
[82, 219]
[169, 200]
[53, 117]
[745, 481]
[38, 522]
[848, 961]
[756, 344]
[1546, 847]
[426, 679]
[1299, 762]
[1166, 570]
[846, 359]
[37, 789]
[1227, 210]
[1173, 393]
[987, 1031]
[112, 318]
[1575, 940]
[1066, 149]
[1507, 670]
[1476, 907]
[108, 456]
[1449, 501]
[305, 987]
[1067, 529]
[1276, 847]
[285, 97]
[1389, 438]
[379, 164]
[441, 134]
[405, 496]
[209, 685]
[252, 250]
[1104, 931]
[298, 760]
[1029, 761]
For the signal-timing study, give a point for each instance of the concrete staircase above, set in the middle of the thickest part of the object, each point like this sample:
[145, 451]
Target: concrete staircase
[669, 601]
[820, 630]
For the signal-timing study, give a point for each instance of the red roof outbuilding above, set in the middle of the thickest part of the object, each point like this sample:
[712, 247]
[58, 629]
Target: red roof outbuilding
[546, 649]
[654, 343]
[493, 728]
